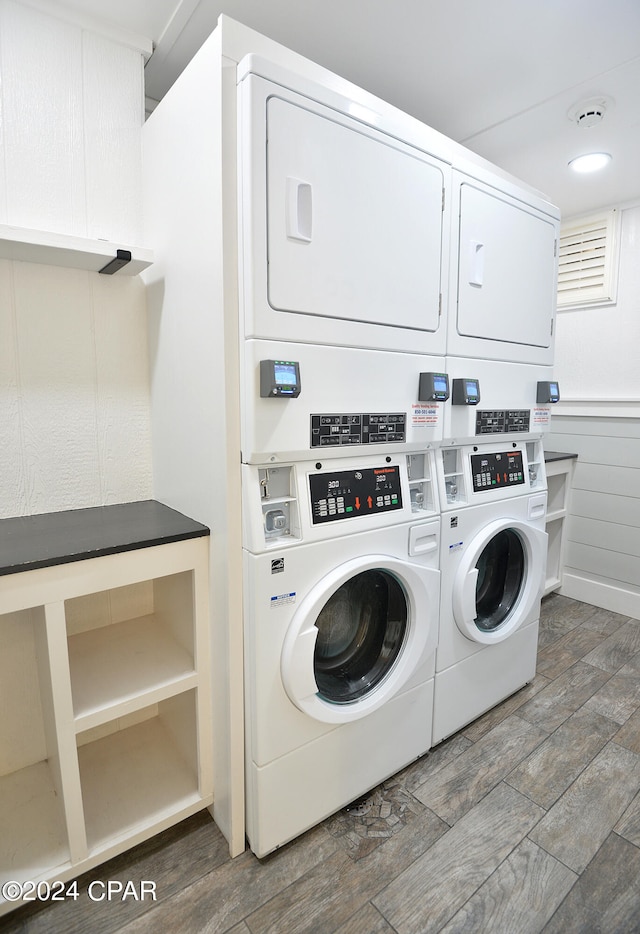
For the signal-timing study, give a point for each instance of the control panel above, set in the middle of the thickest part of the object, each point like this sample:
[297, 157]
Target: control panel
[345, 494]
[502, 421]
[496, 471]
[333, 430]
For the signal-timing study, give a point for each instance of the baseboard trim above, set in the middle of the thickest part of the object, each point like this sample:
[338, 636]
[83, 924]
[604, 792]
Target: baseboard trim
[608, 596]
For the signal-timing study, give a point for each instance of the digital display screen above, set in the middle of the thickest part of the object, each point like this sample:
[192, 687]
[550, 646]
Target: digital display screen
[285, 374]
[440, 383]
[279, 378]
[472, 388]
[496, 471]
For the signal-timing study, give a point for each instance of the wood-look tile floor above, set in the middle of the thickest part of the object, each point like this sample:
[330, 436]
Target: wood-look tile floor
[527, 820]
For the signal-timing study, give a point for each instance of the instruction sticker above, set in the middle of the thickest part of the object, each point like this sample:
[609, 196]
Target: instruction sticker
[422, 414]
[541, 417]
[283, 599]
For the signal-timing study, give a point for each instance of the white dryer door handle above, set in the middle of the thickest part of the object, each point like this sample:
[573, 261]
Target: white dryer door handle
[299, 210]
[468, 595]
[301, 678]
[476, 263]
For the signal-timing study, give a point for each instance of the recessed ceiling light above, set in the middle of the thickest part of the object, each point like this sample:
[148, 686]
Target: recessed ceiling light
[591, 162]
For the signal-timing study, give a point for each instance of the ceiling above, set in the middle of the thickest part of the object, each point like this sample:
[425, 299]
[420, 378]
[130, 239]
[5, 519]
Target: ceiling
[499, 76]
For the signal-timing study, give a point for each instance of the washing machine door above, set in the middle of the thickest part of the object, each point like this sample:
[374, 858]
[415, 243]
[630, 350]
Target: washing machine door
[358, 636]
[499, 580]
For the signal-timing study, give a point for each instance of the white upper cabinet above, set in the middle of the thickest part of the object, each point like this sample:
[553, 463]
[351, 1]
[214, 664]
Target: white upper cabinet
[506, 278]
[343, 227]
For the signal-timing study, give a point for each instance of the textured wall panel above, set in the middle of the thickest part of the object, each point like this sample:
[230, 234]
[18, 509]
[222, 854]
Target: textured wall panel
[56, 360]
[43, 121]
[12, 477]
[113, 116]
[74, 403]
[122, 389]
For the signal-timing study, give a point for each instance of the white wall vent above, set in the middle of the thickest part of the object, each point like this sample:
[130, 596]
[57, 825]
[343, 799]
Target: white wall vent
[587, 264]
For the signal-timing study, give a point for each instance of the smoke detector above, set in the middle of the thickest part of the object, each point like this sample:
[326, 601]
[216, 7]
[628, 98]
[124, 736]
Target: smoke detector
[591, 112]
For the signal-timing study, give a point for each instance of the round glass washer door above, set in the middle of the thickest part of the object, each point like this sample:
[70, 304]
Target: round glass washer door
[499, 580]
[358, 636]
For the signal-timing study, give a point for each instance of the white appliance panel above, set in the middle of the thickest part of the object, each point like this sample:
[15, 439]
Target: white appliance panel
[476, 668]
[503, 386]
[477, 683]
[506, 285]
[334, 380]
[343, 227]
[287, 590]
[354, 224]
[276, 814]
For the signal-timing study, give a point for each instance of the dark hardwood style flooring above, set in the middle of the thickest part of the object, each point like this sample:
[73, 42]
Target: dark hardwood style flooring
[526, 821]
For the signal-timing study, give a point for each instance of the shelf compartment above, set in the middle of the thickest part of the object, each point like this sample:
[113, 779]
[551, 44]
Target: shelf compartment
[33, 837]
[119, 668]
[54, 249]
[33, 827]
[140, 777]
[130, 647]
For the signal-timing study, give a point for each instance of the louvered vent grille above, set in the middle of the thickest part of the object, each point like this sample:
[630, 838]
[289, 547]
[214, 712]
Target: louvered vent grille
[586, 263]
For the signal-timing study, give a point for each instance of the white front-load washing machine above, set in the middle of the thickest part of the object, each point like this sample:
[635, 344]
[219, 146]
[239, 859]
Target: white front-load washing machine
[493, 560]
[341, 589]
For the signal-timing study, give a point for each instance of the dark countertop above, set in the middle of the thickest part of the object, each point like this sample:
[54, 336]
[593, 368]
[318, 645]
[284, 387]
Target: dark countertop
[29, 542]
[550, 456]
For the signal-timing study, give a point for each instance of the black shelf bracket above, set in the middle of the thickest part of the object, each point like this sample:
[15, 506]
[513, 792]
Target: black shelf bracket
[122, 258]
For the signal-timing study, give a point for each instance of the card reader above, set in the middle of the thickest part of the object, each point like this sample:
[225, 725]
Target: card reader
[279, 378]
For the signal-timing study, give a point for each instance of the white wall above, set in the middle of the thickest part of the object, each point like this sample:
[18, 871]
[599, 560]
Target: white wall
[597, 367]
[74, 399]
[71, 107]
[597, 348]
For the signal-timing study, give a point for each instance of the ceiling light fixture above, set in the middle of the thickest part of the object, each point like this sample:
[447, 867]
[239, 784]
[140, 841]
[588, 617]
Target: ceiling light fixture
[590, 162]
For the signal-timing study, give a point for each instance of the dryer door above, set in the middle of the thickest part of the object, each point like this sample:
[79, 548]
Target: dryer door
[358, 637]
[342, 226]
[499, 580]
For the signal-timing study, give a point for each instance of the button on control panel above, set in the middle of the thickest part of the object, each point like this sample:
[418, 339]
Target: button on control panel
[335, 430]
[345, 494]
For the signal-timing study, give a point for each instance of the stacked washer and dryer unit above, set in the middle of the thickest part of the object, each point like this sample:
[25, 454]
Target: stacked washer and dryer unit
[345, 239]
[350, 450]
[490, 466]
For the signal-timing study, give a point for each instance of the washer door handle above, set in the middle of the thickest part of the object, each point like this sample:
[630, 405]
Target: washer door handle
[468, 596]
[300, 670]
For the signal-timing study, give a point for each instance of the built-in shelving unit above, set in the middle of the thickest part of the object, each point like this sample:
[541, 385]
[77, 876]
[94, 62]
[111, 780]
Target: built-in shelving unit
[104, 684]
[54, 249]
[559, 469]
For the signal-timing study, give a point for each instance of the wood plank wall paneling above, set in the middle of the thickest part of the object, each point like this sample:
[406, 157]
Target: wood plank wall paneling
[602, 559]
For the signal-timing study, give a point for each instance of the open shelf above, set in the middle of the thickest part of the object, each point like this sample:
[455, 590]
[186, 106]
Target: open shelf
[33, 837]
[106, 735]
[138, 777]
[119, 668]
[54, 249]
